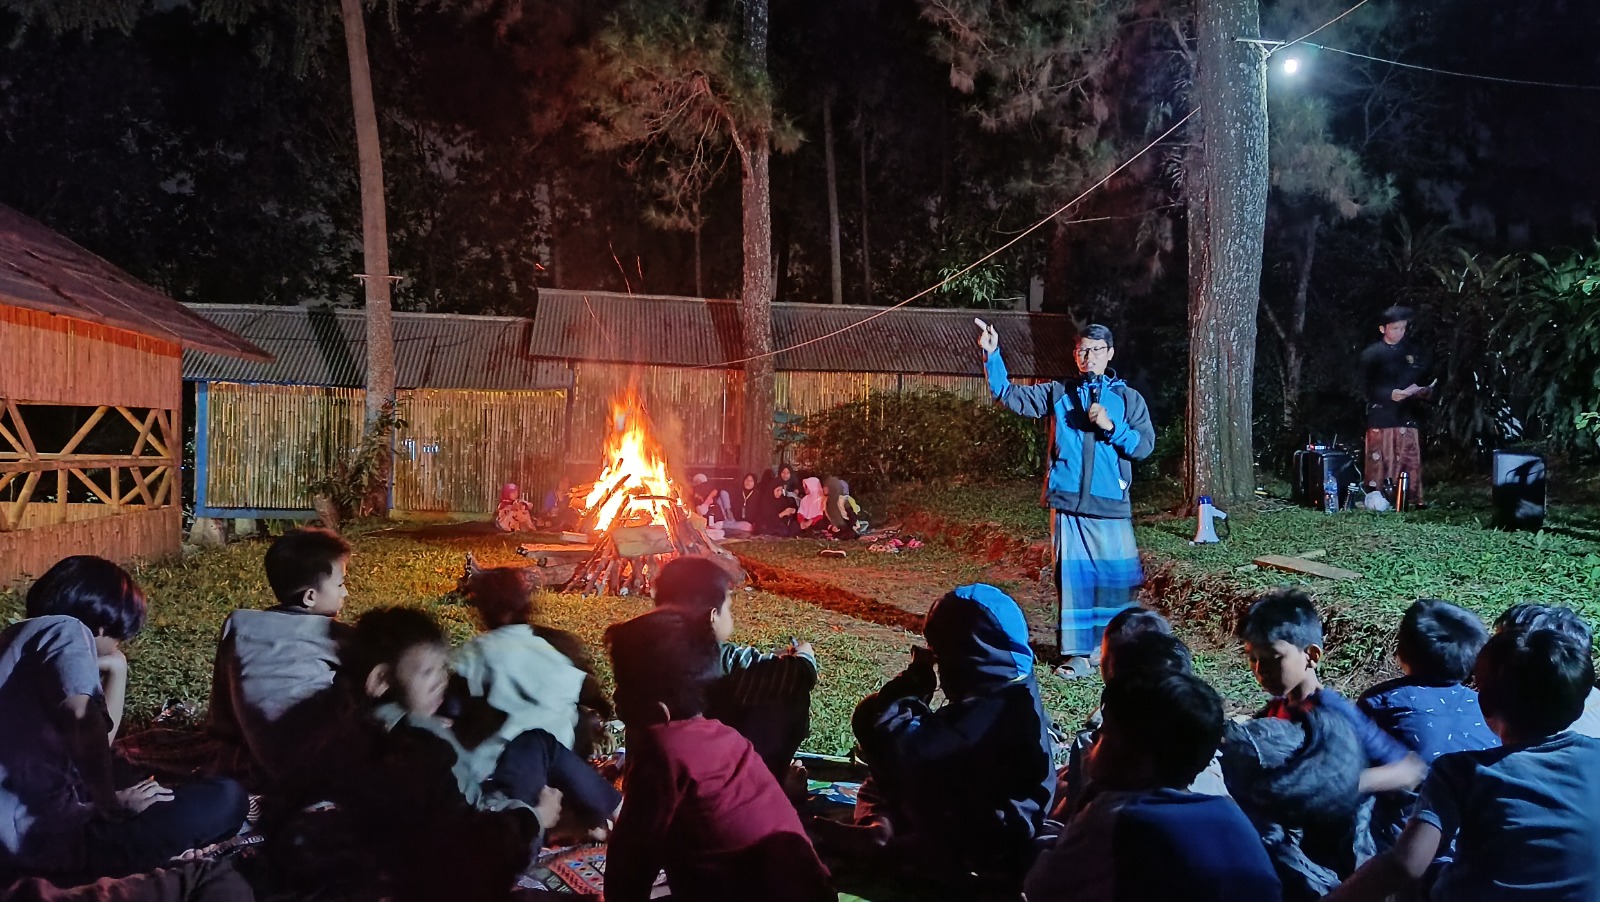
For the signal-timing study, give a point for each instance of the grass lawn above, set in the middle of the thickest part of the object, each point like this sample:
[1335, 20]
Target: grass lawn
[857, 610]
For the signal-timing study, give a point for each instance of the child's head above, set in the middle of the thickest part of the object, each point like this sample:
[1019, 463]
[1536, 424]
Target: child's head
[1532, 682]
[1155, 733]
[1283, 636]
[786, 473]
[509, 493]
[1128, 623]
[1439, 641]
[94, 590]
[400, 655]
[1146, 656]
[698, 587]
[502, 596]
[664, 662]
[979, 640]
[1530, 616]
[305, 568]
[749, 482]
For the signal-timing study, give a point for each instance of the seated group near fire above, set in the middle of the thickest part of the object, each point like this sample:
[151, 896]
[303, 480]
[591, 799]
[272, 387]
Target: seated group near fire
[370, 760]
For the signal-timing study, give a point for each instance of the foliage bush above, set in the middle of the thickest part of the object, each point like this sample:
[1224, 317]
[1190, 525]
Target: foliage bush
[935, 437]
[353, 478]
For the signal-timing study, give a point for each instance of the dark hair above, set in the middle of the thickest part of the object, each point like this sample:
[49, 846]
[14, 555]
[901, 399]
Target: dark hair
[94, 590]
[1176, 720]
[665, 655]
[1097, 332]
[502, 596]
[383, 636]
[1534, 680]
[1397, 314]
[1527, 615]
[1145, 656]
[300, 558]
[1286, 615]
[1439, 641]
[694, 584]
[1132, 621]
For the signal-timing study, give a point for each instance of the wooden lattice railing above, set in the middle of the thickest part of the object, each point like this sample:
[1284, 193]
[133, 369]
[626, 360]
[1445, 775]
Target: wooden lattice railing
[37, 484]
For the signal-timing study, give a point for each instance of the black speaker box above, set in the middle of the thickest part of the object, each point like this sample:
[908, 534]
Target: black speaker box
[1311, 469]
[1519, 490]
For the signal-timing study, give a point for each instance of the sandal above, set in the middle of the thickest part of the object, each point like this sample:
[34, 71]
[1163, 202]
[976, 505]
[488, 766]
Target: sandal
[1074, 667]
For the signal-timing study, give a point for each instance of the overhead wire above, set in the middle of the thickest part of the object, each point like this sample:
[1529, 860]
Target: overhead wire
[1472, 75]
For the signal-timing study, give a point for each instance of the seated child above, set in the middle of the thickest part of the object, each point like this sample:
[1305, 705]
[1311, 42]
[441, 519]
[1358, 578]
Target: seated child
[513, 668]
[766, 697]
[1144, 837]
[1525, 817]
[700, 804]
[710, 502]
[812, 518]
[274, 668]
[1137, 645]
[1282, 635]
[1428, 709]
[745, 507]
[68, 807]
[965, 787]
[513, 513]
[1563, 619]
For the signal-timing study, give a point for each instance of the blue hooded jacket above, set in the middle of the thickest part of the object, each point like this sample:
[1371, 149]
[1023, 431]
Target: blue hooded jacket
[972, 779]
[1091, 469]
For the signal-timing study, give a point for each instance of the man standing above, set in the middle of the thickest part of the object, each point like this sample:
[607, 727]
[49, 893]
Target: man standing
[1394, 374]
[1098, 427]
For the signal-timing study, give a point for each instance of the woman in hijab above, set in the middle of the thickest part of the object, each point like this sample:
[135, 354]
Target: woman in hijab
[778, 510]
[813, 516]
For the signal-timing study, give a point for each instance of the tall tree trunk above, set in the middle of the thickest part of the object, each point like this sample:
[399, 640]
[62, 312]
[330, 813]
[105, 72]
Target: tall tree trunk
[1294, 344]
[758, 286]
[833, 197]
[699, 271]
[1227, 184]
[1057, 261]
[374, 242]
[866, 206]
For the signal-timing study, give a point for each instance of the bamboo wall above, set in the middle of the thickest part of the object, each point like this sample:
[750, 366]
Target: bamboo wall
[459, 447]
[265, 443]
[698, 414]
[50, 359]
[140, 535]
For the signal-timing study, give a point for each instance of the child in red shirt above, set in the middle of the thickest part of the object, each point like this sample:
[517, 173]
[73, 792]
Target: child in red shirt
[698, 802]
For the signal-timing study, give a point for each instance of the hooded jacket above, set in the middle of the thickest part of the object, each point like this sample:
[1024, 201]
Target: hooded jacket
[974, 776]
[1091, 469]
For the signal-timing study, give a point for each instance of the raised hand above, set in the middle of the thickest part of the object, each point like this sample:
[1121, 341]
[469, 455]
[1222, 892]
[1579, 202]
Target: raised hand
[988, 338]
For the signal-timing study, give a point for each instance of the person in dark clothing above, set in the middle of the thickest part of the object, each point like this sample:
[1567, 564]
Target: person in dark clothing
[1143, 836]
[1394, 376]
[1098, 427]
[779, 511]
[963, 788]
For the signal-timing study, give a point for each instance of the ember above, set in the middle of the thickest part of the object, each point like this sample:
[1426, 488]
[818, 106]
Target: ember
[636, 510]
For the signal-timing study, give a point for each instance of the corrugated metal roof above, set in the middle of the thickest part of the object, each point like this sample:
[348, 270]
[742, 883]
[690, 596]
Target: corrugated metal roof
[325, 346]
[41, 270]
[677, 331]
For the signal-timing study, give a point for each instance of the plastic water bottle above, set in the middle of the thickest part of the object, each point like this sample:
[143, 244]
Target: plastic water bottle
[1330, 493]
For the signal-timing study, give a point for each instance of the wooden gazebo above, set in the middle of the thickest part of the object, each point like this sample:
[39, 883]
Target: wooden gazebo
[91, 439]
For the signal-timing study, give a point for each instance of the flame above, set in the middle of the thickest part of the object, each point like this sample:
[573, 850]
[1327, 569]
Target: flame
[631, 450]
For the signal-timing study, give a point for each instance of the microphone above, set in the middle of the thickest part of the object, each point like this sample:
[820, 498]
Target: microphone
[1094, 390]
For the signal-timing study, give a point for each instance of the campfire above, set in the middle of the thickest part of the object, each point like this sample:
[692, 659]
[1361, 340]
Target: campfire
[635, 512]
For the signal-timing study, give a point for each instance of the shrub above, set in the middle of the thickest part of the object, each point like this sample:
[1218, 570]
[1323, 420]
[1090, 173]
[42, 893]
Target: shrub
[935, 437]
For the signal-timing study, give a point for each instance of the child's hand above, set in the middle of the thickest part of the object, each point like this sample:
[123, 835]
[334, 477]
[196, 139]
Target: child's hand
[108, 656]
[136, 798]
[797, 647]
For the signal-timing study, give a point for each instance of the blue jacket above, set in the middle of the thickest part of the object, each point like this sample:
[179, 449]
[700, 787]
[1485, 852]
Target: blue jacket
[1091, 469]
[971, 779]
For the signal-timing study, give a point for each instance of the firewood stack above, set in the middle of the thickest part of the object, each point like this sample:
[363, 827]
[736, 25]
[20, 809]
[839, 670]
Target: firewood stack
[631, 550]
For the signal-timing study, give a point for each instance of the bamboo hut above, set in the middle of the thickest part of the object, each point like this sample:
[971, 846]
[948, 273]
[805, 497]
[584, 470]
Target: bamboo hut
[478, 410]
[489, 400]
[90, 404]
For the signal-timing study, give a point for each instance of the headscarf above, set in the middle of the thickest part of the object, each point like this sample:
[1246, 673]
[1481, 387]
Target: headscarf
[811, 504]
[509, 494]
[838, 511]
[748, 506]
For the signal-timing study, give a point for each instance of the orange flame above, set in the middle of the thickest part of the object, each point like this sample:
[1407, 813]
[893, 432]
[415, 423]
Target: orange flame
[631, 450]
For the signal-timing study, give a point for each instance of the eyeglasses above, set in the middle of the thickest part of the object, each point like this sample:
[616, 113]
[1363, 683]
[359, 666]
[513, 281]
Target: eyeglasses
[1090, 352]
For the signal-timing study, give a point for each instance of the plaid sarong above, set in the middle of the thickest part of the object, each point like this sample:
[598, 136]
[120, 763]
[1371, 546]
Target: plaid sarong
[1097, 569]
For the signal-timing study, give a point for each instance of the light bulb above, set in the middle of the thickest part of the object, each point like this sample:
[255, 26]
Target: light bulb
[1291, 65]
